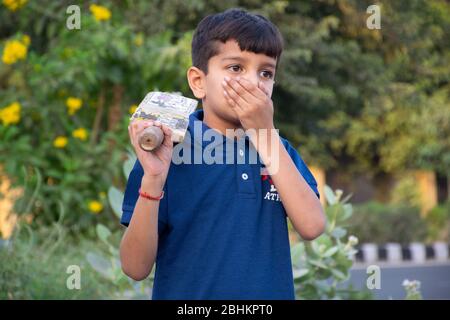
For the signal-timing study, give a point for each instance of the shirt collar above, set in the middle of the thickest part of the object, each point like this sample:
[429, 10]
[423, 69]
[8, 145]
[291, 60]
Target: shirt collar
[195, 121]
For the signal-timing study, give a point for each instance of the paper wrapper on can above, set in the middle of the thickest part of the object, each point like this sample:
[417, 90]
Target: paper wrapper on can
[171, 109]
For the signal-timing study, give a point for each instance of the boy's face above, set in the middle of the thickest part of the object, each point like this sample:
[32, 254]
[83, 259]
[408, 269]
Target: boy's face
[231, 62]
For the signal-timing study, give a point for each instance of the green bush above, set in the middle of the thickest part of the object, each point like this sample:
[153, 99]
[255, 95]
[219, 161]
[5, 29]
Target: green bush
[321, 266]
[380, 223]
[105, 260]
[34, 266]
[412, 289]
[438, 223]
[66, 99]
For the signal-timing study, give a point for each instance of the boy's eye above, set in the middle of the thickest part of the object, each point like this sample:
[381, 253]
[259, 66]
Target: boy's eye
[235, 68]
[267, 74]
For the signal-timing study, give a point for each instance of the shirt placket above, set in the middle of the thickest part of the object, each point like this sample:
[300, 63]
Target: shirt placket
[245, 176]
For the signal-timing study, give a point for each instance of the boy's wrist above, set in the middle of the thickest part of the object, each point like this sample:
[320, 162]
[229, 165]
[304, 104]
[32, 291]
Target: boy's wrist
[152, 185]
[262, 139]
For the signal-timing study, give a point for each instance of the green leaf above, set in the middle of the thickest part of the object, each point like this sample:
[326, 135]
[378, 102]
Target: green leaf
[298, 273]
[115, 198]
[347, 197]
[331, 251]
[54, 173]
[329, 195]
[297, 251]
[338, 274]
[100, 264]
[338, 232]
[316, 247]
[128, 165]
[318, 263]
[103, 232]
[347, 212]
[351, 252]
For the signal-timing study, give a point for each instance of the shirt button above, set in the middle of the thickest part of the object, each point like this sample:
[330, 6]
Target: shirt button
[241, 152]
[244, 176]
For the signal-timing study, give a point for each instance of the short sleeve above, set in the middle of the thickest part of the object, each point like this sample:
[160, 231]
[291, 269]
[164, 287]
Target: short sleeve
[301, 166]
[132, 194]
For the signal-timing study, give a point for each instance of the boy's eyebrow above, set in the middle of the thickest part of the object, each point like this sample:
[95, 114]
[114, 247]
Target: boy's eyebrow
[266, 64]
[269, 64]
[234, 58]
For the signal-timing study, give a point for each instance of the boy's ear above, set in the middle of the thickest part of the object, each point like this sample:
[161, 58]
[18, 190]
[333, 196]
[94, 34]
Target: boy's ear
[196, 79]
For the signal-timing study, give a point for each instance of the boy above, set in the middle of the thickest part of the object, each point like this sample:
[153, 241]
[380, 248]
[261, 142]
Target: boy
[219, 231]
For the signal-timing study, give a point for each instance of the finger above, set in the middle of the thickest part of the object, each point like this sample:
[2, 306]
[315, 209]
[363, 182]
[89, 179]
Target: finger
[167, 136]
[263, 89]
[235, 97]
[137, 128]
[144, 125]
[231, 101]
[139, 125]
[252, 89]
[134, 127]
[130, 134]
[148, 123]
[235, 89]
[165, 130]
[237, 110]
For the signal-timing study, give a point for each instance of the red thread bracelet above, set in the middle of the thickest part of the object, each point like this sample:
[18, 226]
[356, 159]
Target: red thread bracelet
[147, 196]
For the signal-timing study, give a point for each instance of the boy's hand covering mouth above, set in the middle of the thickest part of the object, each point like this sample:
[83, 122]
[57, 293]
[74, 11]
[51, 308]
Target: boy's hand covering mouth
[251, 103]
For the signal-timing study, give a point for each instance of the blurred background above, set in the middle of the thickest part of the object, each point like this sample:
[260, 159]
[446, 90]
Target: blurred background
[362, 91]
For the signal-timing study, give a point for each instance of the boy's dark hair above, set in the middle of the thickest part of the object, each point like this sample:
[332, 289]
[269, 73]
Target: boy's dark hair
[252, 32]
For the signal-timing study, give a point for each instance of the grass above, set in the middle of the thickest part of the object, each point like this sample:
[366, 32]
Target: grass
[34, 266]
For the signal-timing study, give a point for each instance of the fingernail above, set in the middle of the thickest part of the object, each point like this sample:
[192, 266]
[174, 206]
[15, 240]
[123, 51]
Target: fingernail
[238, 78]
[224, 83]
[227, 79]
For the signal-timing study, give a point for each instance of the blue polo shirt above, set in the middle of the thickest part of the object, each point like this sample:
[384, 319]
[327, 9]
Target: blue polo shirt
[222, 228]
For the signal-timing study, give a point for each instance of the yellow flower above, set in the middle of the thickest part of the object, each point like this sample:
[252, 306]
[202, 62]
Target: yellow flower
[73, 104]
[138, 40]
[80, 133]
[60, 142]
[10, 114]
[67, 53]
[133, 108]
[13, 5]
[100, 13]
[26, 40]
[14, 50]
[95, 206]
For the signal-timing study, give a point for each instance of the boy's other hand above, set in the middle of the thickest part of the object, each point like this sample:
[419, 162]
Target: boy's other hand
[251, 103]
[155, 163]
